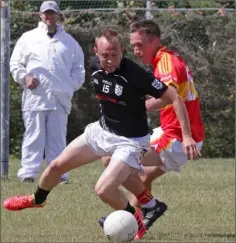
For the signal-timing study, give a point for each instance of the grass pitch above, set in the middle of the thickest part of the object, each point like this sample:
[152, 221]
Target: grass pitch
[201, 201]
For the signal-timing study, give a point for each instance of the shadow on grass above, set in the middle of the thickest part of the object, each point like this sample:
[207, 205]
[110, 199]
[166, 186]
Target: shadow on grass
[192, 236]
[220, 235]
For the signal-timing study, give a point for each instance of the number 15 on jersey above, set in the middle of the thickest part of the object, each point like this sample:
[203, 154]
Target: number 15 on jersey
[106, 88]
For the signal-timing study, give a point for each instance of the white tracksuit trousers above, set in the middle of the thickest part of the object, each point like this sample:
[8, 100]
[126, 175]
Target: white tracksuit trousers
[44, 137]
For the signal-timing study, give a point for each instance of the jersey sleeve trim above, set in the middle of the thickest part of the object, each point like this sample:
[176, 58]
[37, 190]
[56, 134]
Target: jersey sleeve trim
[171, 82]
[165, 65]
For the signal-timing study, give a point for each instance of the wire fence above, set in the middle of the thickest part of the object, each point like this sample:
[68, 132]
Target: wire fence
[202, 31]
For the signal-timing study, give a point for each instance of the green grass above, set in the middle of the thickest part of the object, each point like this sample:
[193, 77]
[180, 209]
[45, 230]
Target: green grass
[200, 199]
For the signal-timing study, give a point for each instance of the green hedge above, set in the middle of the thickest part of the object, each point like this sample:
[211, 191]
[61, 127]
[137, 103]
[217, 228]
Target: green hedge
[207, 43]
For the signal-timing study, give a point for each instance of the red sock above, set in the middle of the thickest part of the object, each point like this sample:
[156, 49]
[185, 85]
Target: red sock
[145, 197]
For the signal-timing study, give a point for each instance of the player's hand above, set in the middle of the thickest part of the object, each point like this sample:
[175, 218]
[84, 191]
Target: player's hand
[31, 82]
[190, 148]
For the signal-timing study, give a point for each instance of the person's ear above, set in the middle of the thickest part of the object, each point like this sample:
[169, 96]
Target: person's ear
[40, 15]
[95, 49]
[122, 50]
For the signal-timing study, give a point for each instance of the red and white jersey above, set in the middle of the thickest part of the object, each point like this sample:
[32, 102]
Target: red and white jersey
[170, 68]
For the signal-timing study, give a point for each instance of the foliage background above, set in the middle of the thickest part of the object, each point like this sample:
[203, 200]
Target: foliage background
[206, 39]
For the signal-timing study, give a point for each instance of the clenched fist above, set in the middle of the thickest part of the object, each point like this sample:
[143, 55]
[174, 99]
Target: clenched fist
[31, 82]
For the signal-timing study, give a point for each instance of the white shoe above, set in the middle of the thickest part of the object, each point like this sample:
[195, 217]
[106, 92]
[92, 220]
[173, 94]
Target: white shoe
[64, 181]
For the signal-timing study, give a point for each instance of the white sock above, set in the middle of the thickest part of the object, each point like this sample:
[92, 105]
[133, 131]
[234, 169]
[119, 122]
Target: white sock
[150, 204]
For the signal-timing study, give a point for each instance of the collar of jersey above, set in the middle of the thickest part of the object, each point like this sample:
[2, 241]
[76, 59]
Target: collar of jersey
[156, 57]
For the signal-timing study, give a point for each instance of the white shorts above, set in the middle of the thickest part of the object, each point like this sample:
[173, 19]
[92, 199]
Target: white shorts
[173, 157]
[129, 150]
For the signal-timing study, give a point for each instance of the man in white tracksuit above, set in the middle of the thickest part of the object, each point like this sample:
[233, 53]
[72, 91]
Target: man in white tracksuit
[49, 65]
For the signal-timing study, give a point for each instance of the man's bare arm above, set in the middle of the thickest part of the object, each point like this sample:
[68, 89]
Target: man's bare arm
[189, 144]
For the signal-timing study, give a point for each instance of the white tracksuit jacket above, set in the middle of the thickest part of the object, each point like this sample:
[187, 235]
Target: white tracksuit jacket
[58, 64]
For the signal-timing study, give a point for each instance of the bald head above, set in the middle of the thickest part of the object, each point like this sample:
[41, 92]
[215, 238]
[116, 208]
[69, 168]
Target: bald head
[109, 35]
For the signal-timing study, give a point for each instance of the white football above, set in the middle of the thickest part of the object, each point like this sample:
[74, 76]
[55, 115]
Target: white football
[120, 226]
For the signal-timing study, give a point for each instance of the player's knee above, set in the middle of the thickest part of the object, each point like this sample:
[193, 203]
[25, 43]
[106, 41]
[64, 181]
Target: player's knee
[55, 168]
[101, 190]
[106, 160]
